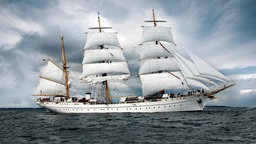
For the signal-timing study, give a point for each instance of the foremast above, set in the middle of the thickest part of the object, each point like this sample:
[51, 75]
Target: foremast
[163, 66]
[158, 69]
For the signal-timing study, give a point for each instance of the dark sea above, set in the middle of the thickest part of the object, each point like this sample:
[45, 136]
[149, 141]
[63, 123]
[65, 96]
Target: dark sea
[213, 125]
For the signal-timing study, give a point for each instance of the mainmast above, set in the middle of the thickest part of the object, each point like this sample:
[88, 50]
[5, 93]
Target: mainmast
[64, 67]
[104, 83]
[99, 25]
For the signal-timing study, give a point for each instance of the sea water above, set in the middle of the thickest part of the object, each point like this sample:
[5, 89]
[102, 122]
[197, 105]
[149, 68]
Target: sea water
[213, 125]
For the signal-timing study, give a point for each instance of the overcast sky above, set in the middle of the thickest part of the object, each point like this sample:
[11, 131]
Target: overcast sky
[220, 31]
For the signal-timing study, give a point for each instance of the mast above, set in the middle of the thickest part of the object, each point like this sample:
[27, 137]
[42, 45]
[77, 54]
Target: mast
[64, 66]
[158, 70]
[108, 99]
[163, 67]
[154, 19]
[99, 25]
[107, 92]
[103, 59]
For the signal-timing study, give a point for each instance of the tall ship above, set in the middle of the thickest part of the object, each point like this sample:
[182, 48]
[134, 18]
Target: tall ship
[172, 78]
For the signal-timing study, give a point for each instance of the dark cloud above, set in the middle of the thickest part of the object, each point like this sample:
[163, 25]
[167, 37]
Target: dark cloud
[29, 10]
[34, 27]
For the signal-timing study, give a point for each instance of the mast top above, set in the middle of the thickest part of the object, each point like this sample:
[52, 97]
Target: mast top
[99, 25]
[154, 19]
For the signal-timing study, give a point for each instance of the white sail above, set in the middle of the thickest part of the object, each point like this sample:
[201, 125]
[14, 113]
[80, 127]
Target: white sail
[101, 38]
[150, 51]
[98, 55]
[190, 70]
[169, 67]
[51, 80]
[103, 58]
[101, 68]
[195, 84]
[190, 74]
[151, 33]
[156, 65]
[189, 67]
[53, 72]
[47, 87]
[205, 69]
[153, 83]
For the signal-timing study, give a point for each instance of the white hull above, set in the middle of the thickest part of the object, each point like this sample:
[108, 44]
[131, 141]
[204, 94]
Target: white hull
[189, 103]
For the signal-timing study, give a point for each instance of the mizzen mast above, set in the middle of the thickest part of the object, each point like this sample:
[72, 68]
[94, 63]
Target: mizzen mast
[65, 67]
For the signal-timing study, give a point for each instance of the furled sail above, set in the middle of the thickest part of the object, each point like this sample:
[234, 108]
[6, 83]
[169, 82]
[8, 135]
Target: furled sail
[51, 81]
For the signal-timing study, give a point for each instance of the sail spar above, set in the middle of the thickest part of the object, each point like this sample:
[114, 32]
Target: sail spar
[52, 81]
